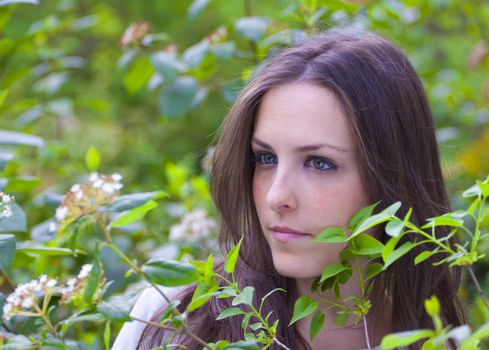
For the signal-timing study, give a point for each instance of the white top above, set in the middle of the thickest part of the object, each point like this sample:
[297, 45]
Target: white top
[148, 303]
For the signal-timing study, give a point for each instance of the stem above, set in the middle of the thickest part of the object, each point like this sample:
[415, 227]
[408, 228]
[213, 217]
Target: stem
[45, 319]
[7, 278]
[248, 13]
[478, 287]
[365, 327]
[477, 226]
[282, 345]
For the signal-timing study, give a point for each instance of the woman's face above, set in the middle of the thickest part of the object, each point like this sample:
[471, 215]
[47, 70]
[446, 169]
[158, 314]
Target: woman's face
[306, 176]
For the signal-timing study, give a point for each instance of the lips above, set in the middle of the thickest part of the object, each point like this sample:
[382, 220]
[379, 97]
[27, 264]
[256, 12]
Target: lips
[284, 234]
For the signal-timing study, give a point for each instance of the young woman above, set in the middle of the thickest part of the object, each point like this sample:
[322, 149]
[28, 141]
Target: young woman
[325, 128]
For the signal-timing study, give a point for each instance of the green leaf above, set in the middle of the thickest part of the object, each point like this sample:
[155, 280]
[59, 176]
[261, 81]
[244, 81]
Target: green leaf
[107, 335]
[92, 159]
[232, 257]
[168, 65]
[398, 253]
[22, 184]
[177, 98]
[138, 74]
[397, 340]
[51, 251]
[361, 215]
[93, 278]
[394, 227]
[444, 220]
[134, 200]
[11, 2]
[317, 324]
[331, 234]
[7, 251]
[366, 244]
[377, 219]
[245, 297]
[471, 342]
[332, 270]
[424, 255]
[134, 215]
[432, 306]
[194, 55]
[341, 318]
[95, 317]
[232, 311]
[224, 50]
[203, 292]
[303, 307]
[116, 309]
[251, 27]
[196, 8]
[373, 270]
[15, 223]
[170, 273]
[242, 345]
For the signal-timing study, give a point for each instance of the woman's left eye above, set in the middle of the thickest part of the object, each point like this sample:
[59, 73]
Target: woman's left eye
[320, 164]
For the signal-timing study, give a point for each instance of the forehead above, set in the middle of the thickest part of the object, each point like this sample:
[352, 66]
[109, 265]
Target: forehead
[303, 113]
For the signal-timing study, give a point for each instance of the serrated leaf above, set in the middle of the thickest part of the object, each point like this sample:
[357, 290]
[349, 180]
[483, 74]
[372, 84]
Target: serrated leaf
[232, 311]
[397, 340]
[7, 251]
[134, 215]
[331, 234]
[317, 324]
[232, 257]
[170, 273]
[303, 307]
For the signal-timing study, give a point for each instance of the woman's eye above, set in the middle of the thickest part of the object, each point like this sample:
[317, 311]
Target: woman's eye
[320, 164]
[265, 158]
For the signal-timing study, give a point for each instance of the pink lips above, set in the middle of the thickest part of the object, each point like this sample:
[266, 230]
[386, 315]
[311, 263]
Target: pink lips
[284, 234]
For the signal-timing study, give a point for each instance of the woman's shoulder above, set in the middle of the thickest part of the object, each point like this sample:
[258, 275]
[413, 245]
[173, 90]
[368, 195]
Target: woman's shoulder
[145, 307]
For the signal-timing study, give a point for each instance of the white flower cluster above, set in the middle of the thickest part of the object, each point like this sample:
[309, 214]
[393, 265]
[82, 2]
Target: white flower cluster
[5, 209]
[195, 225]
[27, 295]
[84, 198]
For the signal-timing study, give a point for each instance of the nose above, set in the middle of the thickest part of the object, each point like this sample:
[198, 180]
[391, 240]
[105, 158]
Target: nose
[281, 195]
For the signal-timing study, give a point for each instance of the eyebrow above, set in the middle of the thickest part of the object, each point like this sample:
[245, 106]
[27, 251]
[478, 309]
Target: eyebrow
[303, 148]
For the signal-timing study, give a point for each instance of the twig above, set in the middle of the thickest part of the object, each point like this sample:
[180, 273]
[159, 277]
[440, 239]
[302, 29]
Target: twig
[7, 278]
[478, 287]
[279, 343]
[365, 327]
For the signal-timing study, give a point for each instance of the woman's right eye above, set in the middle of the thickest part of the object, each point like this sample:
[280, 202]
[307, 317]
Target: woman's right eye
[266, 158]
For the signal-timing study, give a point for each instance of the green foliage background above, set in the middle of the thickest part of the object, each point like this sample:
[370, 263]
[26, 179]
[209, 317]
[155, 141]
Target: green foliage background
[149, 109]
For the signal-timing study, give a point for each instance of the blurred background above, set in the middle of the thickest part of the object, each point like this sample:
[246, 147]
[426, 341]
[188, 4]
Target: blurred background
[140, 88]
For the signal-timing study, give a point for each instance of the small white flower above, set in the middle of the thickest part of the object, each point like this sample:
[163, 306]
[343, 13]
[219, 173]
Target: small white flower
[51, 283]
[6, 198]
[61, 213]
[116, 177]
[52, 227]
[7, 309]
[75, 188]
[5, 212]
[28, 302]
[108, 188]
[85, 270]
[93, 177]
[97, 183]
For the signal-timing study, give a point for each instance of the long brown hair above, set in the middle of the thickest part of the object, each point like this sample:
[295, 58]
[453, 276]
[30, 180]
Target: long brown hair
[399, 160]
